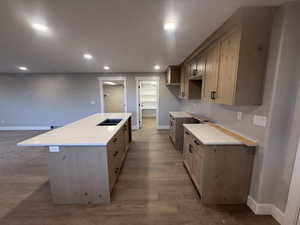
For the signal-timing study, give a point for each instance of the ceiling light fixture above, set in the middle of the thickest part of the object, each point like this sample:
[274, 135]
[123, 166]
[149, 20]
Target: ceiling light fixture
[40, 27]
[106, 67]
[169, 26]
[88, 56]
[156, 67]
[109, 83]
[23, 68]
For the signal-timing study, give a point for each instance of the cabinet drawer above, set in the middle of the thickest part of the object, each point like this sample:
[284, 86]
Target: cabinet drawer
[198, 146]
[116, 145]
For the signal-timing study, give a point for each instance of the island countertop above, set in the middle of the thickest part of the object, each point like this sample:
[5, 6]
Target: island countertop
[84, 132]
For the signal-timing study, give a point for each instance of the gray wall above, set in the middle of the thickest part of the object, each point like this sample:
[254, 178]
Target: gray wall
[113, 98]
[57, 99]
[281, 103]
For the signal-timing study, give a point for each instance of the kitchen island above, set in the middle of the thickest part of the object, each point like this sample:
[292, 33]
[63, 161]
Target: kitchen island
[85, 157]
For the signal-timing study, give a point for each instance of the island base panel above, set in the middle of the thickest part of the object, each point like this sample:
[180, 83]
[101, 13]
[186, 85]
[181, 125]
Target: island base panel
[79, 175]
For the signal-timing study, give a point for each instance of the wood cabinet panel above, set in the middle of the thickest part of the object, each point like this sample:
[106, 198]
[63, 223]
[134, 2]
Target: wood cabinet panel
[210, 79]
[173, 75]
[229, 58]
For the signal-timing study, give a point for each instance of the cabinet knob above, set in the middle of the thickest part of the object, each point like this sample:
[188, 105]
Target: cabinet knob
[115, 140]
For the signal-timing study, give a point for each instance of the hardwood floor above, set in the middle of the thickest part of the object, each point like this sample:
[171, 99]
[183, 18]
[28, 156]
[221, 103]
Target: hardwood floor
[153, 188]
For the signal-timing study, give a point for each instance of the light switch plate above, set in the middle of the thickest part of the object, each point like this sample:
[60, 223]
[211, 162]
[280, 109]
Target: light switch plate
[239, 115]
[260, 120]
[53, 148]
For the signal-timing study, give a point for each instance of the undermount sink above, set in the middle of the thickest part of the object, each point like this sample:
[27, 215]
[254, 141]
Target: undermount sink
[110, 122]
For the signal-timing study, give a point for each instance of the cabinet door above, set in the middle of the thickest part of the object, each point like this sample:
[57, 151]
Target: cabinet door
[201, 65]
[211, 73]
[188, 150]
[126, 136]
[182, 81]
[229, 58]
[168, 76]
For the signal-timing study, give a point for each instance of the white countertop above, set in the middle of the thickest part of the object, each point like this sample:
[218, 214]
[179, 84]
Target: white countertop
[84, 132]
[180, 115]
[209, 135]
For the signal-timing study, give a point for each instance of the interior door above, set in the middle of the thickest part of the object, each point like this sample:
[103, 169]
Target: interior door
[298, 223]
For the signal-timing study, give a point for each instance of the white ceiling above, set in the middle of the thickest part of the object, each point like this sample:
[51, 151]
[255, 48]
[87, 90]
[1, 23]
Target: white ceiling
[127, 35]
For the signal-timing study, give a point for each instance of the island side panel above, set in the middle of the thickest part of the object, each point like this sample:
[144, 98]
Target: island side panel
[79, 174]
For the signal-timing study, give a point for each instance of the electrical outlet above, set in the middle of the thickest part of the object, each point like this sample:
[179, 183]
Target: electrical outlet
[239, 115]
[93, 102]
[260, 120]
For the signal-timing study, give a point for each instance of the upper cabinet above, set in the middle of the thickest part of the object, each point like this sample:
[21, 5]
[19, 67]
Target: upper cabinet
[230, 64]
[210, 80]
[173, 75]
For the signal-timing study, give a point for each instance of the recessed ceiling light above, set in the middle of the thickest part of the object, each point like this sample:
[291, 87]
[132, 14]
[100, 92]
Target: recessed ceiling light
[106, 67]
[156, 67]
[23, 68]
[169, 26]
[109, 83]
[40, 27]
[88, 56]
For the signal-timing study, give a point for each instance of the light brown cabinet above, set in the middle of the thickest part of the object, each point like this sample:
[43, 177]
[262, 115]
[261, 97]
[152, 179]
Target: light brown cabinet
[190, 87]
[87, 174]
[173, 75]
[176, 130]
[221, 173]
[117, 150]
[210, 79]
[231, 62]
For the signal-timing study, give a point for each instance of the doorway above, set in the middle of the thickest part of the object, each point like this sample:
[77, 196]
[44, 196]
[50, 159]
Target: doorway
[147, 101]
[292, 214]
[113, 94]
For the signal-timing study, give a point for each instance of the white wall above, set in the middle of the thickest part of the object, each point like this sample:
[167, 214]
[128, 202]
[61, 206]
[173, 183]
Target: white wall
[57, 99]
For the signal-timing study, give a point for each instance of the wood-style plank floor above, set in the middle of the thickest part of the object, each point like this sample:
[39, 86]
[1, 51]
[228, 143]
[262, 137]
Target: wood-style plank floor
[153, 189]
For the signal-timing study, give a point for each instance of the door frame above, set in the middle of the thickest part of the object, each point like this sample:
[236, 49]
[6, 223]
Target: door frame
[291, 216]
[112, 78]
[137, 81]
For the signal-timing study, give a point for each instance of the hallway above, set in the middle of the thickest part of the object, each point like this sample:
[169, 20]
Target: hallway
[153, 188]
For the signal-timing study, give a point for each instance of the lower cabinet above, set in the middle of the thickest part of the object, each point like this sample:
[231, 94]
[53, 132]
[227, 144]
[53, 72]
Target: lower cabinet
[87, 174]
[221, 173]
[176, 130]
[116, 150]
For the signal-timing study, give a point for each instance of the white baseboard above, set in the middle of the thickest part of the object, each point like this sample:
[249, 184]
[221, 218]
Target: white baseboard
[163, 127]
[265, 209]
[12, 128]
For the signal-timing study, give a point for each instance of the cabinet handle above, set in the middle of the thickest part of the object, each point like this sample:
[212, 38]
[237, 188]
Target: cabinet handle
[213, 95]
[187, 133]
[195, 71]
[116, 170]
[116, 153]
[196, 142]
[190, 149]
[115, 140]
